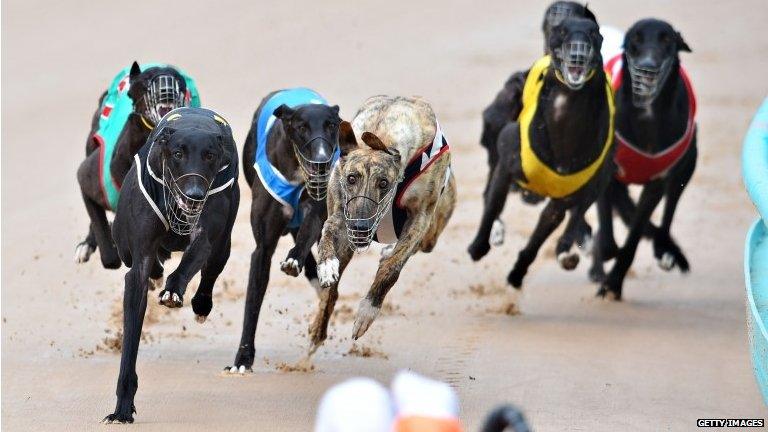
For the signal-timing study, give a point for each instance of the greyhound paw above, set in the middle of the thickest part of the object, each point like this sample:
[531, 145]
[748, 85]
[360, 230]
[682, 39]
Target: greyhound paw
[568, 260]
[668, 254]
[120, 418]
[202, 305]
[478, 249]
[83, 252]
[170, 299]
[608, 292]
[366, 313]
[597, 274]
[497, 233]
[243, 361]
[515, 278]
[156, 283]
[328, 272]
[291, 267]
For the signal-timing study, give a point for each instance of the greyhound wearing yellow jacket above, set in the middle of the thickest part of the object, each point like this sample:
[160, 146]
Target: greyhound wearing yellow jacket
[560, 147]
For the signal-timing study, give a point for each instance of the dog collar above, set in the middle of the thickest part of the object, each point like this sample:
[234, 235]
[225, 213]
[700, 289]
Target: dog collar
[146, 123]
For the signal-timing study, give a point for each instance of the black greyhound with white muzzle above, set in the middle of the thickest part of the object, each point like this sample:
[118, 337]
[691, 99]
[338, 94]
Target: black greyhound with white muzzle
[291, 149]
[181, 194]
[655, 147]
[559, 147]
[127, 113]
[506, 108]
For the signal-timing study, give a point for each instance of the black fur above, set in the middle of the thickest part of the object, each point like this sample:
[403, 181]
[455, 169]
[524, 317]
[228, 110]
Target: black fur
[269, 221]
[133, 136]
[193, 144]
[652, 129]
[568, 143]
[505, 418]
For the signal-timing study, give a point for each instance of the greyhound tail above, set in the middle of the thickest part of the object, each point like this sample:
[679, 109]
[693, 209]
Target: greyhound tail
[505, 417]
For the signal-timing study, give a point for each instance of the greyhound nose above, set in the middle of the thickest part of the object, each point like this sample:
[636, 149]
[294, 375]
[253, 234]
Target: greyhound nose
[195, 192]
[361, 226]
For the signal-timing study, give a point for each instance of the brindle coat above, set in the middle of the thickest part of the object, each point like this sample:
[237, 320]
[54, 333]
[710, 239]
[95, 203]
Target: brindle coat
[394, 128]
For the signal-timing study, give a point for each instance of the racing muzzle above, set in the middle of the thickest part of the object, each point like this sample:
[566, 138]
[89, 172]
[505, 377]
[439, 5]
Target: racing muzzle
[575, 63]
[182, 210]
[363, 222]
[316, 173]
[163, 96]
[647, 80]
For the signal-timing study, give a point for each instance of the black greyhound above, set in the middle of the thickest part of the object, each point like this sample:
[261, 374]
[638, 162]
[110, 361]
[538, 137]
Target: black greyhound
[180, 194]
[287, 159]
[560, 147]
[152, 92]
[506, 106]
[655, 147]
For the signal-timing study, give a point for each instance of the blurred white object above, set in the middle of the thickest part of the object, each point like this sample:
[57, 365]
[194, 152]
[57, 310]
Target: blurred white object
[356, 405]
[415, 395]
[613, 39]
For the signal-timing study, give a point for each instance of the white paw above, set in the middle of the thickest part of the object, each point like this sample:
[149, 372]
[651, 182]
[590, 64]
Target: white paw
[238, 370]
[200, 318]
[83, 252]
[497, 233]
[290, 267]
[366, 313]
[387, 250]
[328, 272]
[171, 300]
[667, 261]
[156, 283]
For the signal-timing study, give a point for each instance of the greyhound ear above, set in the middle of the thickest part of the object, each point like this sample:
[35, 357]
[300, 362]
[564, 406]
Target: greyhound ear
[165, 135]
[283, 112]
[681, 44]
[374, 142]
[335, 109]
[347, 140]
[588, 14]
[135, 71]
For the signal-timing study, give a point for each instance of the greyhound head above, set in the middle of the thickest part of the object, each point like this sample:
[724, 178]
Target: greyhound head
[156, 91]
[575, 45]
[651, 48]
[191, 158]
[557, 12]
[368, 177]
[313, 130]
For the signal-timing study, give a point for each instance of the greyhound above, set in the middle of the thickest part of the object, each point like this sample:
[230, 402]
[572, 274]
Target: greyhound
[180, 194]
[560, 147]
[125, 117]
[507, 105]
[398, 190]
[287, 159]
[655, 147]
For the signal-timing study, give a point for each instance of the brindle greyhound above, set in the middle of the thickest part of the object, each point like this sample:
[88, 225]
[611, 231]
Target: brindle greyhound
[560, 146]
[507, 105]
[397, 190]
[181, 194]
[655, 147]
[90, 175]
[287, 159]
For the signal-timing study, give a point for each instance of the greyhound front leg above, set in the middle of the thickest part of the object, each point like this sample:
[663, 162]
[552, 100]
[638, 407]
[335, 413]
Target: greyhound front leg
[191, 262]
[603, 239]
[549, 219]
[495, 198]
[335, 254]
[134, 308]
[565, 257]
[308, 234]
[389, 272]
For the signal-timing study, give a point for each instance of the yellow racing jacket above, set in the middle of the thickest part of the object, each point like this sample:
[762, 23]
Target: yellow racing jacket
[542, 179]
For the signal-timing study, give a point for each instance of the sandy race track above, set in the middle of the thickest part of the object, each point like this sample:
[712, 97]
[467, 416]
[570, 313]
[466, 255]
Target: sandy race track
[675, 350]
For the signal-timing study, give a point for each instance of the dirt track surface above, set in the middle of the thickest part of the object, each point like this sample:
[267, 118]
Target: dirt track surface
[675, 350]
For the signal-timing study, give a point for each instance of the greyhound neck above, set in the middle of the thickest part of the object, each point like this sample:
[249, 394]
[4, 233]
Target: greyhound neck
[132, 138]
[576, 139]
[653, 128]
[281, 155]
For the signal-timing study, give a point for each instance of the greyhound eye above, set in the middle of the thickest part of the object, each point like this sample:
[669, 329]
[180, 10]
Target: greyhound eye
[178, 154]
[302, 129]
[208, 156]
[665, 39]
[351, 179]
[383, 183]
